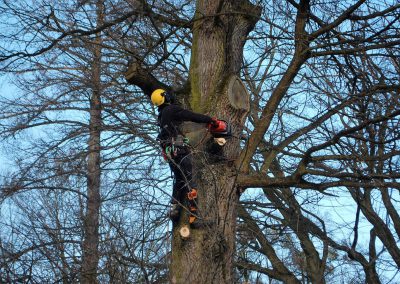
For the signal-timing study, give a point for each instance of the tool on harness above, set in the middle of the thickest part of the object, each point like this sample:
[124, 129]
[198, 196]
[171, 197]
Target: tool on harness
[171, 148]
[180, 141]
[220, 128]
[170, 151]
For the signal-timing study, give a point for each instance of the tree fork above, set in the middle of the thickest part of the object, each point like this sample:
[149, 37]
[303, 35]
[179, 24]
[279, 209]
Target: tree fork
[220, 30]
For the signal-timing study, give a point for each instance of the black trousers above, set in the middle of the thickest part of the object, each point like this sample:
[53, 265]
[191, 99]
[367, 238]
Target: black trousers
[181, 166]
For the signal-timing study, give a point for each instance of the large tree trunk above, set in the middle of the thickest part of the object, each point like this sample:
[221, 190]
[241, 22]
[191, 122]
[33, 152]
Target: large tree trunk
[90, 253]
[219, 33]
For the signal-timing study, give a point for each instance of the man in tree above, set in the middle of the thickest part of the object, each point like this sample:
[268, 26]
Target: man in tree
[176, 149]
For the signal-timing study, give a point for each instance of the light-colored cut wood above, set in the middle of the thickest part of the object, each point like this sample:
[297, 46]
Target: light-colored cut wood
[184, 232]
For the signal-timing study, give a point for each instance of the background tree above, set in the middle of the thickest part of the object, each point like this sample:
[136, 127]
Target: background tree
[72, 133]
[317, 174]
[322, 149]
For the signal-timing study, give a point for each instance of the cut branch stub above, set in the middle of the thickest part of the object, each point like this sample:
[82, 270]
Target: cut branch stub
[184, 231]
[238, 96]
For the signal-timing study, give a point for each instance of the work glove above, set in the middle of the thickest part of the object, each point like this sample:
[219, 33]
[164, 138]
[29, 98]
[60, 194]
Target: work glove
[214, 121]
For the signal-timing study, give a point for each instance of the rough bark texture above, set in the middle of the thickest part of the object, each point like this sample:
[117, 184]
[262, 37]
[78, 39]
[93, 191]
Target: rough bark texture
[90, 253]
[219, 34]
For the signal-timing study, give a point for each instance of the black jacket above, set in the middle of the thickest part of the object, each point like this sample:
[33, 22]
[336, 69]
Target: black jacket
[170, 118]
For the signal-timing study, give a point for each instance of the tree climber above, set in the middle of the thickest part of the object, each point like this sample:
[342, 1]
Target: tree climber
[176, 149]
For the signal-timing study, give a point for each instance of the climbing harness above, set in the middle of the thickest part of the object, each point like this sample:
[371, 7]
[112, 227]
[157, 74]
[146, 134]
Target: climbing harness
[172, 147]
[176, 147]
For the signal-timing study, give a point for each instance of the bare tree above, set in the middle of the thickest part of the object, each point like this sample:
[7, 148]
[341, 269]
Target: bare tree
[303, 111]
[311, 91]
[72, 132]
[324, 137]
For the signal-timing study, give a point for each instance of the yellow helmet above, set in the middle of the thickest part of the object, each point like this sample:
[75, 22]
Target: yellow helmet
[158, 97]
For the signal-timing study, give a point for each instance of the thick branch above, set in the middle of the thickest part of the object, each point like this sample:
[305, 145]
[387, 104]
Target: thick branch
[254, 181]
[300, 56]
[138, 76]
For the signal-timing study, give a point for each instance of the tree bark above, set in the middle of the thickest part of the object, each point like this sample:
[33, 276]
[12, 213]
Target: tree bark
[219, 33]
[90, 253]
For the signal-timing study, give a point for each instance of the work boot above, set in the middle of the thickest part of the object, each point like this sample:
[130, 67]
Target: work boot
[174, 212]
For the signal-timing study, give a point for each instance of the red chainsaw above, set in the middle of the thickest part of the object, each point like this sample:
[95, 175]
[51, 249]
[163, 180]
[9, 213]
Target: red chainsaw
[220, 128]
